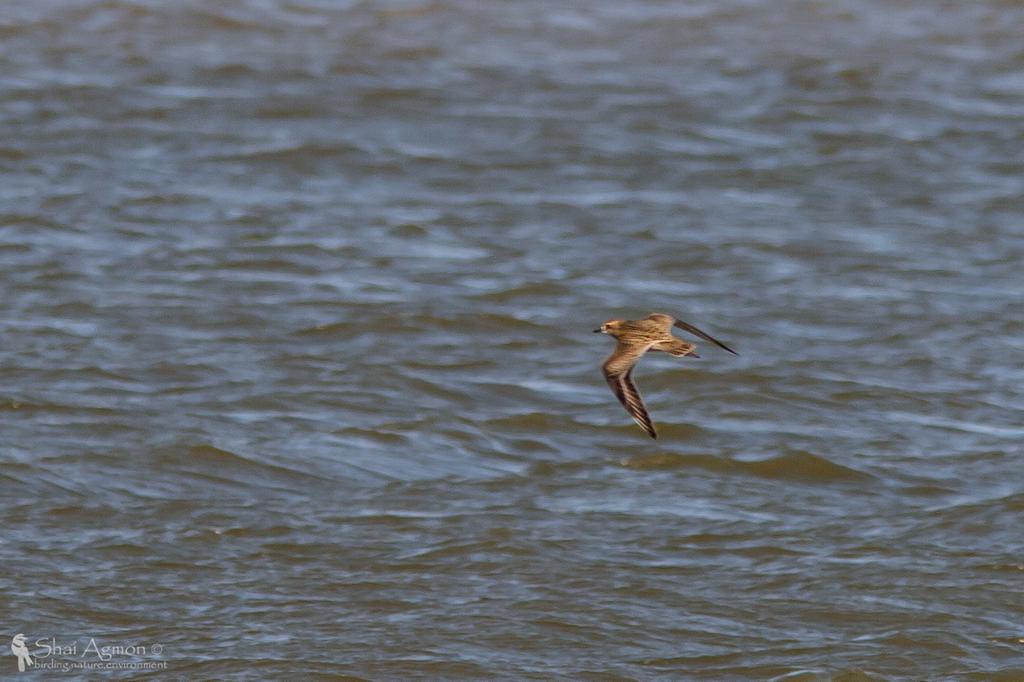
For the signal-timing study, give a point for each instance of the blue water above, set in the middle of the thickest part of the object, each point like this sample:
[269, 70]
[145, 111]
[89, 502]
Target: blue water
[298, 378]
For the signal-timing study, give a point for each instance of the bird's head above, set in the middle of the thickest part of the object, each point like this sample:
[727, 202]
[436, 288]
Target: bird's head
[612, 327]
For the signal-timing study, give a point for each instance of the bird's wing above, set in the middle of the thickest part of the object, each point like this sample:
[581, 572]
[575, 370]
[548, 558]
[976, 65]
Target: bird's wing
[618, 370]
[704, 335]
[662, 320]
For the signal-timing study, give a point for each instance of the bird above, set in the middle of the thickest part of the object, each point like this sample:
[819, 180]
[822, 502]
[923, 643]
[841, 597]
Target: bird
[635, 338]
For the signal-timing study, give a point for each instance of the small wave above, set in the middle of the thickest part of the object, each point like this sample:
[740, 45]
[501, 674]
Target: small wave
[530, 289]
[794, 466]
[376, 435]
[226, 467]
[326, 329]
[56, 408]
[531, 422]
[805, 466]
[287, 153]
[671, 460]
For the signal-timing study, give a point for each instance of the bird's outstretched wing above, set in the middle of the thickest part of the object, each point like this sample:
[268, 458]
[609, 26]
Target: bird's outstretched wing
[685, 326]
[618, 370]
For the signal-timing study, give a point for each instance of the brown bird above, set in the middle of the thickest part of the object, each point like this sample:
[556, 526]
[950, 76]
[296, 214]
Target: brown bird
[636, 337]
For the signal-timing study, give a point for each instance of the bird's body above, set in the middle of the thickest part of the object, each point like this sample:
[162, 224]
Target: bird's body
[635, 338]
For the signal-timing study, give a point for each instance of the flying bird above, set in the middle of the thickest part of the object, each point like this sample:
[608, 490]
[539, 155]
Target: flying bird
[636, 337]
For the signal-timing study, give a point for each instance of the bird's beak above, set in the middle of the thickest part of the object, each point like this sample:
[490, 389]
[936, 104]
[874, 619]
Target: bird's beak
[597, 331]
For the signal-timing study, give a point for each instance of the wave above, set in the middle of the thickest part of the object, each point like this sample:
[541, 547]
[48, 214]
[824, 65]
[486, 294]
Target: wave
[797, 466]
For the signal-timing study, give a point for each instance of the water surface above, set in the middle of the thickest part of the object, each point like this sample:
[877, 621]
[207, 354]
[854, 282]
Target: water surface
[298, 377]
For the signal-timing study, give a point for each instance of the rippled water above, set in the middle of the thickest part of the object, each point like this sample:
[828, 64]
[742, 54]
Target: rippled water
[298, 377]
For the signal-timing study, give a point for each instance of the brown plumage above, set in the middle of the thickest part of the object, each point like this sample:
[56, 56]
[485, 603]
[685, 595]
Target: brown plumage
[636, 337]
